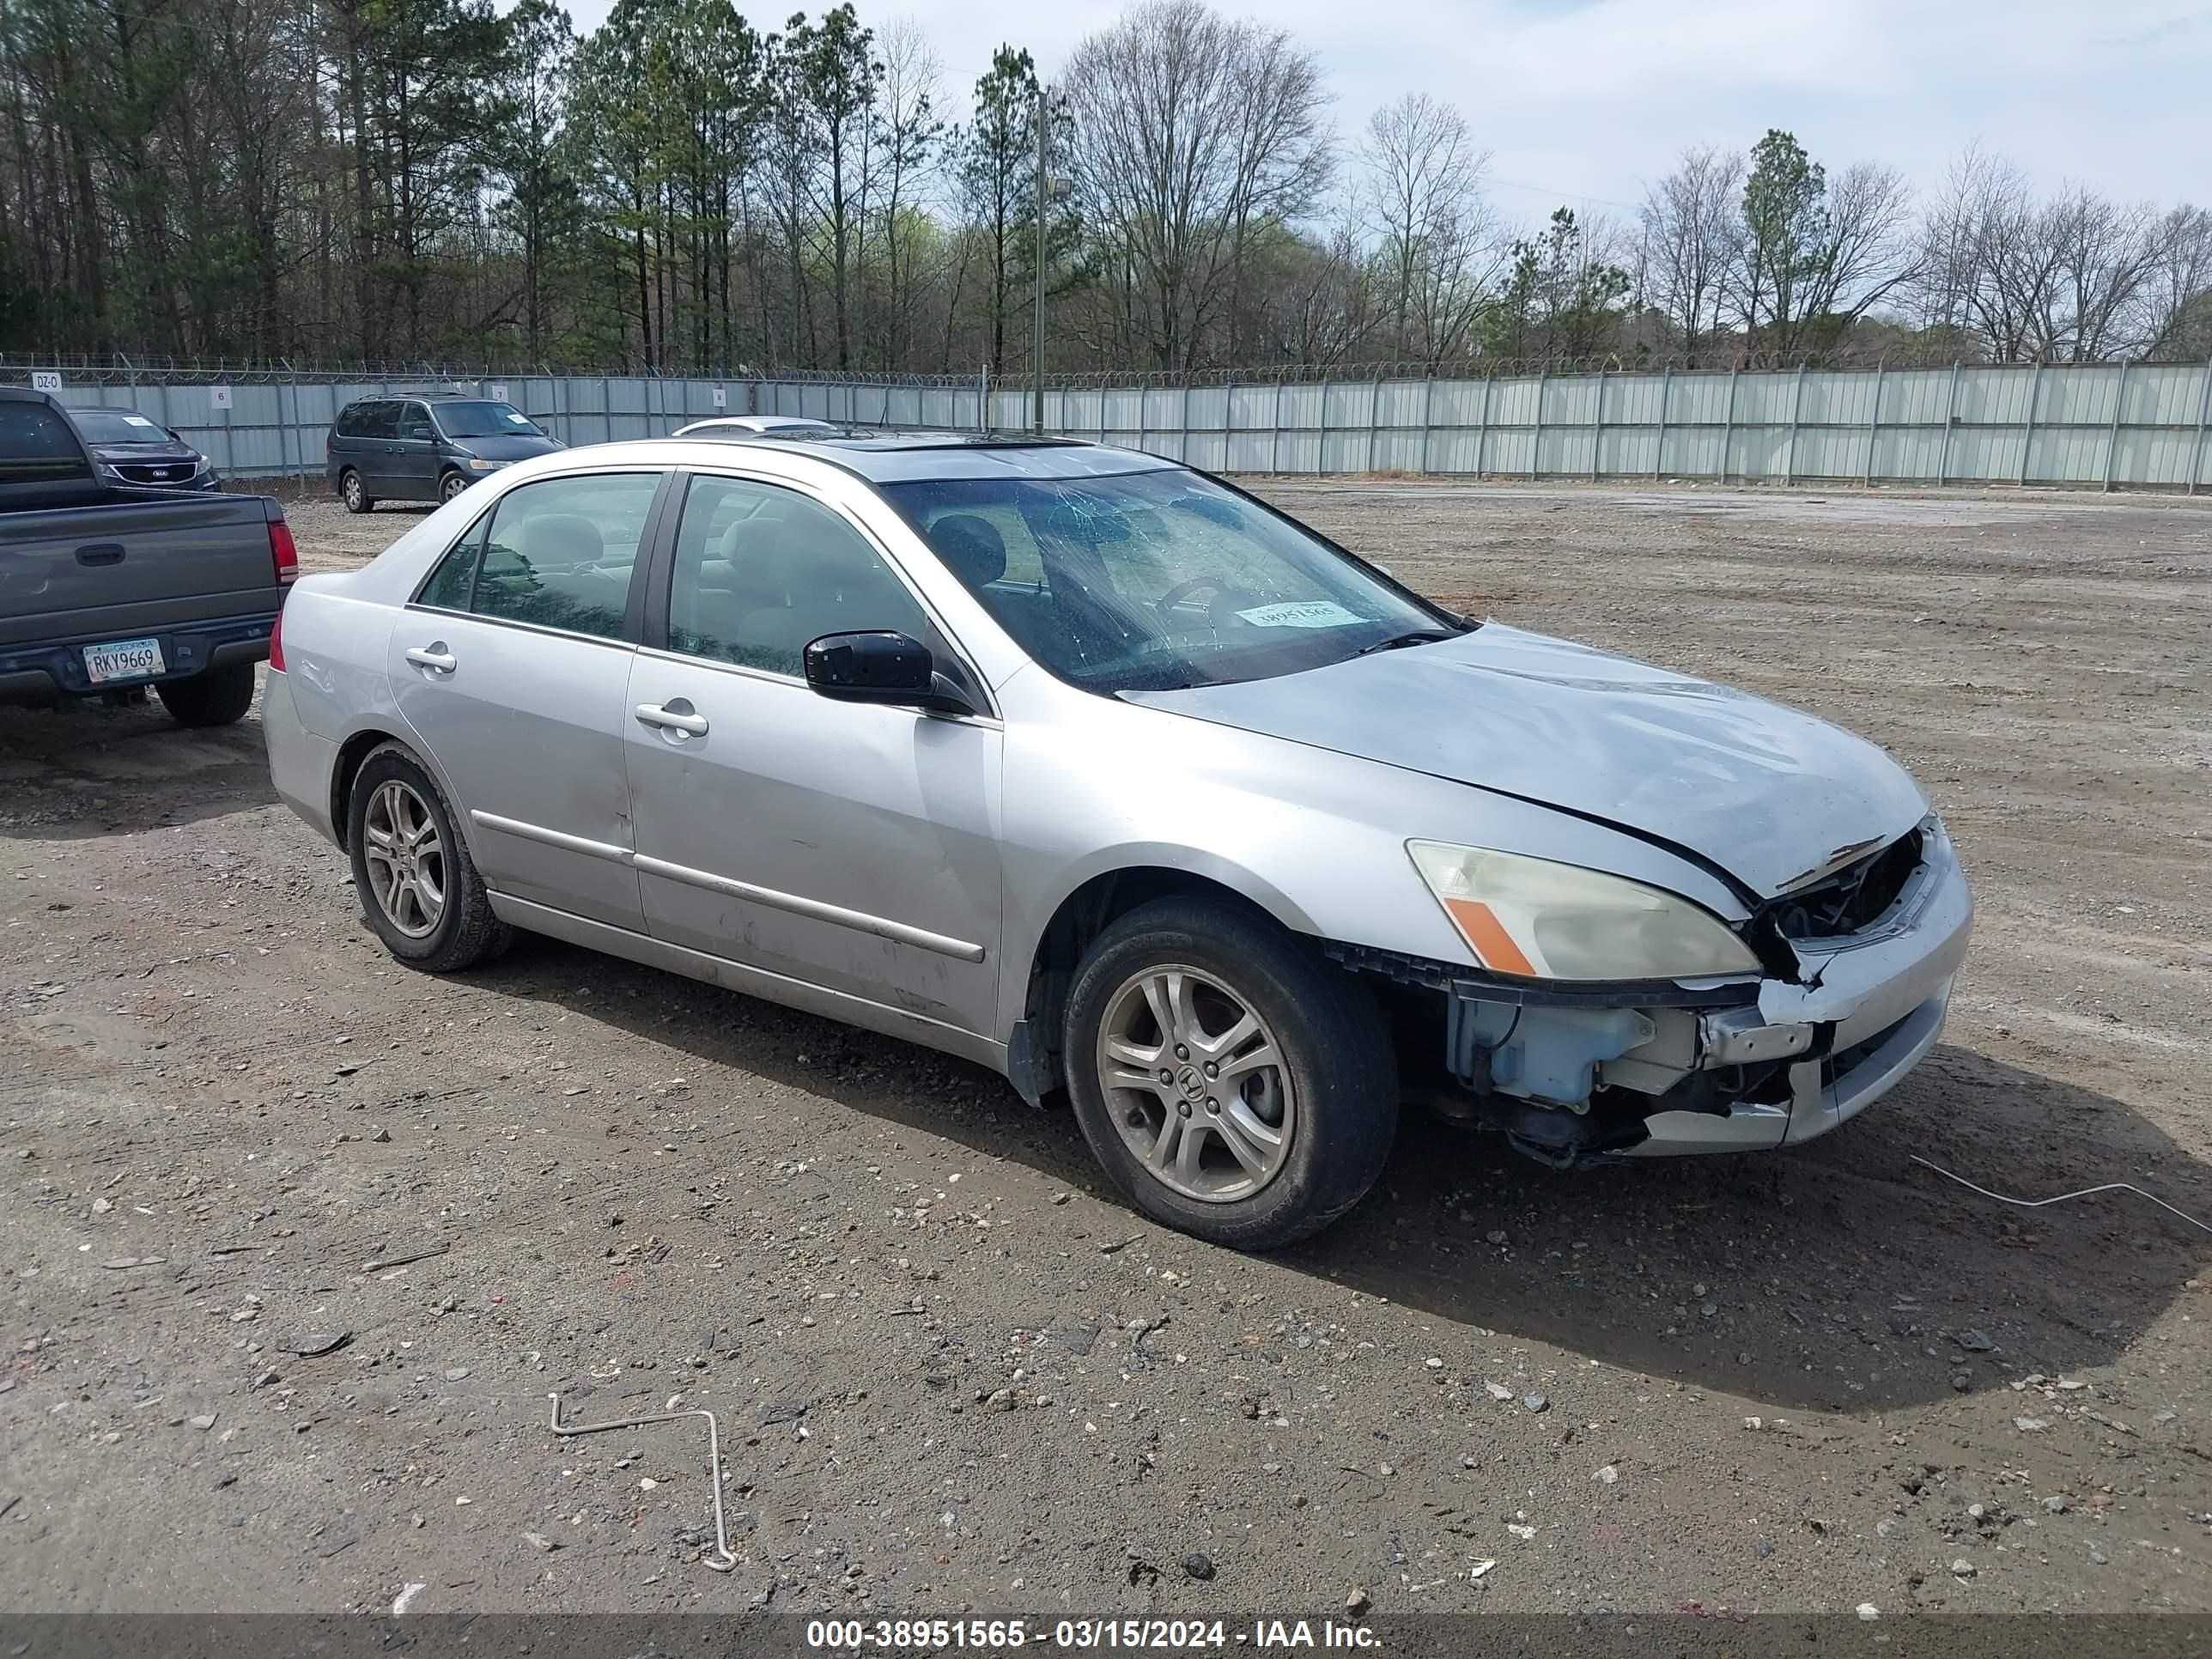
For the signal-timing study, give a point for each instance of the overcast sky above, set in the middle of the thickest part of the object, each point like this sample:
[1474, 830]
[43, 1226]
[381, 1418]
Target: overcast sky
[1588, 100]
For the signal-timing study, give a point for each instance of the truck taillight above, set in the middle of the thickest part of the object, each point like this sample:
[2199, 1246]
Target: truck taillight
[277, 643]
[284, 551]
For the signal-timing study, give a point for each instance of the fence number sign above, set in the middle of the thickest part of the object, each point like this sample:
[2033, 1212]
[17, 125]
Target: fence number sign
[46, 380]
[498, 392]
[219, 396]
[722, 398]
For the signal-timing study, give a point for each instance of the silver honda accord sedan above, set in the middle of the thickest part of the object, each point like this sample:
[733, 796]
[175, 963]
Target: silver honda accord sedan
[1097, 770]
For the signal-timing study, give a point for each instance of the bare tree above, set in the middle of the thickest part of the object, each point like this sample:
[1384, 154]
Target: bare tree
[1691, 234]
[1192, 133]
[906, 134]
[1422, 193]
[2104, 255]
[1988, 262]
[1315, 296]
[2177, 303]
[2072, 278]
[1870, 251]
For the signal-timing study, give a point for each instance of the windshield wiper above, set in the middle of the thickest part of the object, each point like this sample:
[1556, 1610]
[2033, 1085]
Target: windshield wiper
[1419, 636]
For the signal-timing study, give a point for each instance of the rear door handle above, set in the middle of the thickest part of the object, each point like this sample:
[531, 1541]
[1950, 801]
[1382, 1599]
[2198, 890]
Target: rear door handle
[433, 657]
[675, 719]
[100, 553]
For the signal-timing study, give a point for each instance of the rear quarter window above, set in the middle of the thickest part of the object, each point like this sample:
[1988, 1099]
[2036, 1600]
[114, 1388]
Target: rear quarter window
[37, 445]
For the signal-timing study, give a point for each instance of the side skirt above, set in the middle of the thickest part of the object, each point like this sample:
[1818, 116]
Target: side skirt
[751, 982]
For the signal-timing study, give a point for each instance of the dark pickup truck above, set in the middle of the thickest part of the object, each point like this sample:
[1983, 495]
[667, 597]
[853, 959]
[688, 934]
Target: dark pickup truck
[107, 588]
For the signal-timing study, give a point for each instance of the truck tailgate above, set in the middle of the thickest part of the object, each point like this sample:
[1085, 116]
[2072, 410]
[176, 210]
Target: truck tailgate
[135, 566]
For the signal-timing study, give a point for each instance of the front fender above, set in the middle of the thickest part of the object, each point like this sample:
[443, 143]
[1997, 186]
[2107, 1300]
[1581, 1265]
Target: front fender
[1316, 838]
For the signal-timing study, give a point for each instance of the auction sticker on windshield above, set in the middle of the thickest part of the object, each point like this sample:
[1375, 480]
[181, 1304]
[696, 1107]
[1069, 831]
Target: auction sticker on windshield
[122, 659]
[1304, 613]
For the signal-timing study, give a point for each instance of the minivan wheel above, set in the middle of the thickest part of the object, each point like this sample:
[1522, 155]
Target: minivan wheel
[1238, 1086]
[354, 493]
[451, 485]
[419, 889]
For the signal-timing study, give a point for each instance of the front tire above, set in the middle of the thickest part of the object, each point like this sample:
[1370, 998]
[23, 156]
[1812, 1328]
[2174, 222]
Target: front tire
[418, 888]
[354, 493]
[213, 696]
[450, 486]
[1236, 1085]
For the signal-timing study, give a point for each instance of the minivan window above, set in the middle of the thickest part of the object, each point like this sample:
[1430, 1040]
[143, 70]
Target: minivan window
[376, 417]
[414, 424]
[1157, 580]
[486, 419]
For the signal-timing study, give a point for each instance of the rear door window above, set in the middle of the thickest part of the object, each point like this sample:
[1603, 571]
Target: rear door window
[454, 575]
[560, 553]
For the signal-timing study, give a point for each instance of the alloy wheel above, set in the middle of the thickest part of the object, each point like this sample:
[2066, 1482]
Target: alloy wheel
[405, 858]
[1197, 1085]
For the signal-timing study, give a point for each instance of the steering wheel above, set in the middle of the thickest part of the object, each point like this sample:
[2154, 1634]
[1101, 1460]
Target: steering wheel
[1181, 591]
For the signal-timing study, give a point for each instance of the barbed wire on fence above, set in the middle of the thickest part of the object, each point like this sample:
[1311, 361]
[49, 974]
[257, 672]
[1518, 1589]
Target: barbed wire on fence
[120, 369]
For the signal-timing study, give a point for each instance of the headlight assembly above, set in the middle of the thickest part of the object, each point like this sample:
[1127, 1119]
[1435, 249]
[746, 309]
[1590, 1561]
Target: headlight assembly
[1534, 919]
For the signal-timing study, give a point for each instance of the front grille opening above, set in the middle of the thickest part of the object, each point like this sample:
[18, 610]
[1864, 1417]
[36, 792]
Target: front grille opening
[1845, 1061]
[1854, 897]
[155, 472]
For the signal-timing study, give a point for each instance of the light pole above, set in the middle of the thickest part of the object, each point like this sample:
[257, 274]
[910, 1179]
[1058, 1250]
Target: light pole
[1036, 342]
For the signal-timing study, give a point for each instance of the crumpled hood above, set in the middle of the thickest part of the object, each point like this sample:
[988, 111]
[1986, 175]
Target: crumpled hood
[1766, 792]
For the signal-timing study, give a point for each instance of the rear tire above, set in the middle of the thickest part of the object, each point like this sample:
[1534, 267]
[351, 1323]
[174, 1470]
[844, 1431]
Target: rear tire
[354, 493]
[213, 696]
[402, 839]
[1328, 1098]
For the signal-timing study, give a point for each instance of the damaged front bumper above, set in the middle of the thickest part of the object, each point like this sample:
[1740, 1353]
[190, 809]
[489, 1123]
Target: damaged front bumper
[1570, 1073]
[1871, 1005]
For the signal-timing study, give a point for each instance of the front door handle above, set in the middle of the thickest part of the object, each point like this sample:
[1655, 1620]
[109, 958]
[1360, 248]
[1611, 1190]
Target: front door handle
[433, 657]
[673, 717]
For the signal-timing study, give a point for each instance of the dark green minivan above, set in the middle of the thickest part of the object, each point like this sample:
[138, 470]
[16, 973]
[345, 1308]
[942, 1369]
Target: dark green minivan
[427, 448]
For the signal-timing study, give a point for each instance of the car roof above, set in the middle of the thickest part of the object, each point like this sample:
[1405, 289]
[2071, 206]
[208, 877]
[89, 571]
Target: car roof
[718, 426]
[426, 397]
[884, 456]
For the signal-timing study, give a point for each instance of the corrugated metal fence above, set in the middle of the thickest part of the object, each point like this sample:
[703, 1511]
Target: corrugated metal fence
[2109, 426]
[2106, 426]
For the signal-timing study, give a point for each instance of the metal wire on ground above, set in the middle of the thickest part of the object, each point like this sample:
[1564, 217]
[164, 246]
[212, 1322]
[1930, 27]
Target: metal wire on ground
[2087, 1192]
[728, 1560]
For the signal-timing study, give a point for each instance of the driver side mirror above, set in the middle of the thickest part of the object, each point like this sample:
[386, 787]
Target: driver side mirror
[881, 667]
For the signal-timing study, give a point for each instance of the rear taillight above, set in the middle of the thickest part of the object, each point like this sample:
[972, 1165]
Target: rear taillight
[284, 551]
[277, 643]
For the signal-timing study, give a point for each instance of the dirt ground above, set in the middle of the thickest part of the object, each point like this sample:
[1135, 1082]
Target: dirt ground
[1803, 1382]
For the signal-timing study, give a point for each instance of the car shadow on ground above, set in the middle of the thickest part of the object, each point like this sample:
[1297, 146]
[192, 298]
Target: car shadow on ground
[1839, 1275]
[83, 768]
